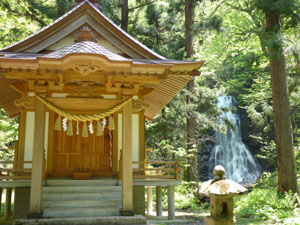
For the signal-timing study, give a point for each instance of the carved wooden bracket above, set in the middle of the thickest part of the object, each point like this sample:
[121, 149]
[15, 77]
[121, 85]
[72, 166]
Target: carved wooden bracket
[86, 68]
[138, 105]
[27, 102]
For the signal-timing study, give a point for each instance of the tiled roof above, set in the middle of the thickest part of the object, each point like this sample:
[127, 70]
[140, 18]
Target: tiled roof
[16, 55]
[85, 47]
[160, 61]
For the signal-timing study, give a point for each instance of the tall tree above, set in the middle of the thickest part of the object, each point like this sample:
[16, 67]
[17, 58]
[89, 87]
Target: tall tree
[191, 174]
[124, 18]
[273, 9]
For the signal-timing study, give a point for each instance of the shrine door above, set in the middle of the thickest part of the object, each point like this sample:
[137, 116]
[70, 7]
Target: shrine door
[76, 153]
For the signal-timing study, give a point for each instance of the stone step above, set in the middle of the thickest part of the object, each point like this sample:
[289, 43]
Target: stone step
[105, 220]
[70, 182]
[83, 196]
[82, 204]
[80, 212]
[81, 189]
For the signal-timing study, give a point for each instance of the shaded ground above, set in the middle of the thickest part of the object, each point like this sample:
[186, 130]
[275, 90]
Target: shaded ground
[185, 218]
[197, 218]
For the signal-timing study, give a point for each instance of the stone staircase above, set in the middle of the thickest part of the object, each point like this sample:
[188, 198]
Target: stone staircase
[81, 198]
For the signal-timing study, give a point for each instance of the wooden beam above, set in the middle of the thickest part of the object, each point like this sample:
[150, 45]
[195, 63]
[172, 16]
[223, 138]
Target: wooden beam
[15, 178]
[115, 144]
[90, 104]
[127, 188]
[35, 206]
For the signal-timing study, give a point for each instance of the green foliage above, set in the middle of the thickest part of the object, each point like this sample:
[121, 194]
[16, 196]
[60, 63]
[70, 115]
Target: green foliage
[8, 135]
[264, 202]
[283, 7]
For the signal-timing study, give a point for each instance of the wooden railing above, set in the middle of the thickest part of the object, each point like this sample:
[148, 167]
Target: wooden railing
[157, 170]
[15, 170]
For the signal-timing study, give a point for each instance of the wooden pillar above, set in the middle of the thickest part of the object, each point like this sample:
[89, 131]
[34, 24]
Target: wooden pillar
[22, 131]
[7, 212]
[141, 138]
[115, 144]
[35, 206]
[127, 189]
[1, 191]
[50, 141]
[171, 205]
[149, 200]
[158, 201]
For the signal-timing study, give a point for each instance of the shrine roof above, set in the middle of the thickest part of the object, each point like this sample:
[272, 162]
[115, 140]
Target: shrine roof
[89, 47]
[116, 48]
[85, 7]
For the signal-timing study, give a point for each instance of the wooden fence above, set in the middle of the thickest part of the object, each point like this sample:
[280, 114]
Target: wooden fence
[14, 170]
[156, 170]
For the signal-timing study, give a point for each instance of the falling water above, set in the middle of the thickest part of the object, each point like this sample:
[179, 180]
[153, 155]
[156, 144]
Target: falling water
[230, 151]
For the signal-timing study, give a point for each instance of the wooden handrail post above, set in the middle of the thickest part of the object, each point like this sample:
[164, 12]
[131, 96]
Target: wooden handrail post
[177, 170]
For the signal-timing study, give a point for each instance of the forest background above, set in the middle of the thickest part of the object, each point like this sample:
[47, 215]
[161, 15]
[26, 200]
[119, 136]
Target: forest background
[229, 36]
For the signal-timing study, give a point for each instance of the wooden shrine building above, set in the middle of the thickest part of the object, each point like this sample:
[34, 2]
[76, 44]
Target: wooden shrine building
[83, 88]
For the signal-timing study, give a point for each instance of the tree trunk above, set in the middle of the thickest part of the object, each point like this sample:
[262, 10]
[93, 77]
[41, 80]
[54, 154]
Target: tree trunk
[188, 28]
[287, 178]
[191, 173]
[124, 20]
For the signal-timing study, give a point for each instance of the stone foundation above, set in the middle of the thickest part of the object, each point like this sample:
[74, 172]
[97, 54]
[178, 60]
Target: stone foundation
[139, 200]
[218, 221]
[21, 205]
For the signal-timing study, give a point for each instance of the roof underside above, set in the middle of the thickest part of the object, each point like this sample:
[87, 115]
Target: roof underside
[8, 95]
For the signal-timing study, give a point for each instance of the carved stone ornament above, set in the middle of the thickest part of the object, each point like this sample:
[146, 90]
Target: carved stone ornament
[27, 102]
[86, 68]
[138, 105]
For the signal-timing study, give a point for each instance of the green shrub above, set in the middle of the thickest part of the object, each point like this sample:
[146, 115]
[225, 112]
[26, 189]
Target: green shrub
[264, 202]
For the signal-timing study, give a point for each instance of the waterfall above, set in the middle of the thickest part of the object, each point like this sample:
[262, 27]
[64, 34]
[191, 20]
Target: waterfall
[230, 151]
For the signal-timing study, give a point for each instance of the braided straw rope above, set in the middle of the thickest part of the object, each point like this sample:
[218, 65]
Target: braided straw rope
[84, 117]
